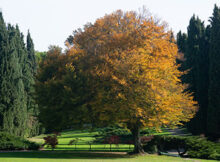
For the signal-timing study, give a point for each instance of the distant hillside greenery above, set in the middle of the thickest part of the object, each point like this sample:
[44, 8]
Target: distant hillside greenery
[18, 109]
[201, 49]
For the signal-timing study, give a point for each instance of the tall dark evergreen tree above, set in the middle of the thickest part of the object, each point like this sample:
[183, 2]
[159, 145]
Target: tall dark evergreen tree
[16, 117]
[31, 54]
[31, 70]
[195, 49]
[181, 41]
[203, 81]
[16, 82]
[12, 89]
[213, 119]
[4, 50]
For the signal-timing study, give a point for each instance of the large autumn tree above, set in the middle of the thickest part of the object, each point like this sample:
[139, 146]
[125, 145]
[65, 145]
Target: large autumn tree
[128, 62]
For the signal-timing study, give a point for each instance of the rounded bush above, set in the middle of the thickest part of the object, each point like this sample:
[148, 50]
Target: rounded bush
[194, 147]
[10, 142]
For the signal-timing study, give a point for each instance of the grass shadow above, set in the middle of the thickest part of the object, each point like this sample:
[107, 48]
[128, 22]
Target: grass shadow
[75, 136]
[64, 155]
[96, 149]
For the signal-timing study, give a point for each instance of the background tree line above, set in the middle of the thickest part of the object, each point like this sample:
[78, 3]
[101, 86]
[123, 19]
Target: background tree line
[201, 49]
[18, 110]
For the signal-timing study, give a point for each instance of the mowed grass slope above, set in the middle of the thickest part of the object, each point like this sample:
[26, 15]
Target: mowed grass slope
[82, 153]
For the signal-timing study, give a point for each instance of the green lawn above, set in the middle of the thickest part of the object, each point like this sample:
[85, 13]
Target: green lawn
[81, 152]
[59, 156]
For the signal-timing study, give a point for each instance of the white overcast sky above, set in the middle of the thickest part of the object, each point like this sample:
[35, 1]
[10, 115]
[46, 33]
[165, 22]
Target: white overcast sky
[52, 21]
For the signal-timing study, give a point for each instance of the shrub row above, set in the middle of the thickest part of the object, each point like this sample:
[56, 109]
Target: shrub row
[113, 131]
[120, 131]
[10, 142]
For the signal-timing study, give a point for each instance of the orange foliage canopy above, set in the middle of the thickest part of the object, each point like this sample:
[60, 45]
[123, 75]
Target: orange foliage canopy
[130, 63]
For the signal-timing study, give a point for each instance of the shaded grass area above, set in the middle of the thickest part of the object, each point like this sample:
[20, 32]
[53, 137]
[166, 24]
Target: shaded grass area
[60, 156]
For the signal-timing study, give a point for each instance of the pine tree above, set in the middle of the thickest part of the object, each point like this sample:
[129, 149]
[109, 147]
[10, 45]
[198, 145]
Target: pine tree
[214, 76]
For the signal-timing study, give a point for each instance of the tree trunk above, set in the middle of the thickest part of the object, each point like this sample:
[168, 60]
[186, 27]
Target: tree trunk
[137, 143]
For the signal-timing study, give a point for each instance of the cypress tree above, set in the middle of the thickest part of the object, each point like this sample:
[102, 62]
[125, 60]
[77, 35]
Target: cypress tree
[203, 80]
[31, 69]
[213, 119]
[194, 45]
[15, 116]
[194, 32]
[181, 41]
[17, 107]
[4, 49]
[31, 54]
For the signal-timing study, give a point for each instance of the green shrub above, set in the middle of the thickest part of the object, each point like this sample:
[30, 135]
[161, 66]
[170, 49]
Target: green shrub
[10, 142]
[200, 148]
[151, 147]
[113, 131]
[194, 147]
[31, 145]
[107, 132]
[170, 142]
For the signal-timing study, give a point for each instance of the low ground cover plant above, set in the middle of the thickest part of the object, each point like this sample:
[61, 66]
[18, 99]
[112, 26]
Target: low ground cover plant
[11, 142]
